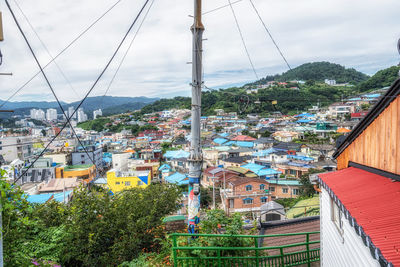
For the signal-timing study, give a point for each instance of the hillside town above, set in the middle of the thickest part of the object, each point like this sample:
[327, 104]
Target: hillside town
[278, 159]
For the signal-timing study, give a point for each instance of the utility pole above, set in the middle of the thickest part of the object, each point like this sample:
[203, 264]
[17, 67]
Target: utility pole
[1, 208]
[195, 158]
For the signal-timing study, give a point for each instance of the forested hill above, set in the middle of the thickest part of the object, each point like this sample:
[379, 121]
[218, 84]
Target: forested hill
[381, 79]
[317, 71]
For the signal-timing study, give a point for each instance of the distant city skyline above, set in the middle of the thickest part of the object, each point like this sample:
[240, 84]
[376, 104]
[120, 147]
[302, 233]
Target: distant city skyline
[357, 34]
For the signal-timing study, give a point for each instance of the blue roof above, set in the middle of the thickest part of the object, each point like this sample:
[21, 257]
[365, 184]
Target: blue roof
[176, 154]
[296, 164]
[244, 144]
[220, 141]
[165, 166]
[224, 134]
[303, 121]
[372, 95]
[355, 99]
[267, 172]
[177, 178]
[263, 153]
[253, 167]
[304, 115]
[230, 143]
[42, 198]
[303, 158]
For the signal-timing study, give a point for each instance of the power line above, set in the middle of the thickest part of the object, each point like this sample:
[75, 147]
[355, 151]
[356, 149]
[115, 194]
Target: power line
[48, 83]
[90, 90]
[270, 35]
[45, 47]
[61, 52]
[126, 53]
[241, 36]
[221, 7]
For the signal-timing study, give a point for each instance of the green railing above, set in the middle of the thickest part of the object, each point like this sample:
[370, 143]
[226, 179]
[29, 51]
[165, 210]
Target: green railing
[238, 256]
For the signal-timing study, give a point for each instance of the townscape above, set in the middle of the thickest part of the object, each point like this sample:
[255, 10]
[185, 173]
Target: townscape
[291, 169]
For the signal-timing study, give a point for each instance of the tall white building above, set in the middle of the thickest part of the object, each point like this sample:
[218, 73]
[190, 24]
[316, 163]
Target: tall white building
[37, 114]
[70, 111]
[16, 147]
[81, 115]
[97, 113]
[51, 114]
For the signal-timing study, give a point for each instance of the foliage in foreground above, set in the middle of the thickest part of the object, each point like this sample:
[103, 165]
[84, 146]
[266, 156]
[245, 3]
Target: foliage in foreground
[94, 229]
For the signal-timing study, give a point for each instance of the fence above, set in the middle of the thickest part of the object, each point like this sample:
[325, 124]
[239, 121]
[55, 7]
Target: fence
[254, 255]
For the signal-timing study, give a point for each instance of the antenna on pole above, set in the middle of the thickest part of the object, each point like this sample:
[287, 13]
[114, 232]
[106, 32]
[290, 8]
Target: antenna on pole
[195, 158]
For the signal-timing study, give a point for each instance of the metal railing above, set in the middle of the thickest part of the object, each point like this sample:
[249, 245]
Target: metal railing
[238, 256]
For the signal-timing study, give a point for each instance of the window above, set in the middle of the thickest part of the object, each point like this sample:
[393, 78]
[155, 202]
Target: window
[336, 217]
[139, 183]
[292, 172]
[117, 182]
[264, 199]
[285, 190]
[82, 156]
[127, 183]
[247, 201]
[272, 189]
[262, 186]
[249, 188]
[295, 191]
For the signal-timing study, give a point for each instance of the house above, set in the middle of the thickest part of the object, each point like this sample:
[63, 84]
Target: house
[284, 188]
[16, 147]
[87, 171]
[80, 157]
[42, 170]
[359, 202]
[272, 211]
[339, 110]
[177, 178]
[285, 136]
[118, 181]
[244, 195]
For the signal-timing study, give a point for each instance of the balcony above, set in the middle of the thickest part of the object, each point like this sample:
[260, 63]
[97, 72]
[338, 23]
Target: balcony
[252, 255]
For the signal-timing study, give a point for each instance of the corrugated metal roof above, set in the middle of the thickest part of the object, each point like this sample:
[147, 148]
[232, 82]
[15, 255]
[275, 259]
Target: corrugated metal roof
[373, 201]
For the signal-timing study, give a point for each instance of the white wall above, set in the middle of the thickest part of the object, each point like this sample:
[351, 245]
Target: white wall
[341, 250]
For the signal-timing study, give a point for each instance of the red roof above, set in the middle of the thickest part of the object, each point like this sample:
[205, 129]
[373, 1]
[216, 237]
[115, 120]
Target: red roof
[243, 138]
[373, 201]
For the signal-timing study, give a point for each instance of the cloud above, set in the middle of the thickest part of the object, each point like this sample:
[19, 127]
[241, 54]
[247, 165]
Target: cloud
[358, 34]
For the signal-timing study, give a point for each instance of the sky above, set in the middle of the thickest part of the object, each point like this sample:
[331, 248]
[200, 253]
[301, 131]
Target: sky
[360, 34]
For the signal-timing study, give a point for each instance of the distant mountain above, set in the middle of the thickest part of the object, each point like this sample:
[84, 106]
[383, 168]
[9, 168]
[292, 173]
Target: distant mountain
[109, 104]
[381, 79]
[318, 71]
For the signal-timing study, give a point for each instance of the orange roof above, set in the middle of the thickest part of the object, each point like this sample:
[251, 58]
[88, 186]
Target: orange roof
[130, 150]
[243, 138]
[343, 130]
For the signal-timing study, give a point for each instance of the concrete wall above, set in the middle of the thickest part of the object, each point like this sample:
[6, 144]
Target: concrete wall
[346, 249]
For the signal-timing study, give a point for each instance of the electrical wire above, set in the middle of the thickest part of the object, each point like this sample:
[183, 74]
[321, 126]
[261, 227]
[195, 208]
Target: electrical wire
[45, 47]
[49, 84]
[241, 36]
[126, 53]
[270, 35]
[61, 52]
[221, 7]
[90, 90]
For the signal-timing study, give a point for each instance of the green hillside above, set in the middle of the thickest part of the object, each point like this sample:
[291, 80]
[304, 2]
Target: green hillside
[317, 71]
[381, 79]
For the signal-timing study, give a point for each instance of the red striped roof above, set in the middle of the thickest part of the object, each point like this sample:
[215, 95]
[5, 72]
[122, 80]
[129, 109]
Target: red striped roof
[374, 202]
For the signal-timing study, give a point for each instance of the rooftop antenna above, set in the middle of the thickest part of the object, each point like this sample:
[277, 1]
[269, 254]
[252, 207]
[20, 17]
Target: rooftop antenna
[195, 158]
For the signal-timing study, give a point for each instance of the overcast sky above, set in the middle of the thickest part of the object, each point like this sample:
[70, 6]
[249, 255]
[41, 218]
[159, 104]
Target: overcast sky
[361, 34]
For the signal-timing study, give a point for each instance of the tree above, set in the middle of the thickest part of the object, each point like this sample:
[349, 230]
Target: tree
[307, 189]
[43, 132]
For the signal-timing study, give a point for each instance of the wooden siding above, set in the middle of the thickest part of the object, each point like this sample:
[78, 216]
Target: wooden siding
[347, 249]
[379, 145]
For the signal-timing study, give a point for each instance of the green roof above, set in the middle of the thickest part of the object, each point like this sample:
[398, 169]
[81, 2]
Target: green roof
[284, 182]
[304, 208]
[77, 167]
[174, 218]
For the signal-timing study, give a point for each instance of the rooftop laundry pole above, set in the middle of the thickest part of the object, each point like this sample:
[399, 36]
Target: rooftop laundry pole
[195, 157]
